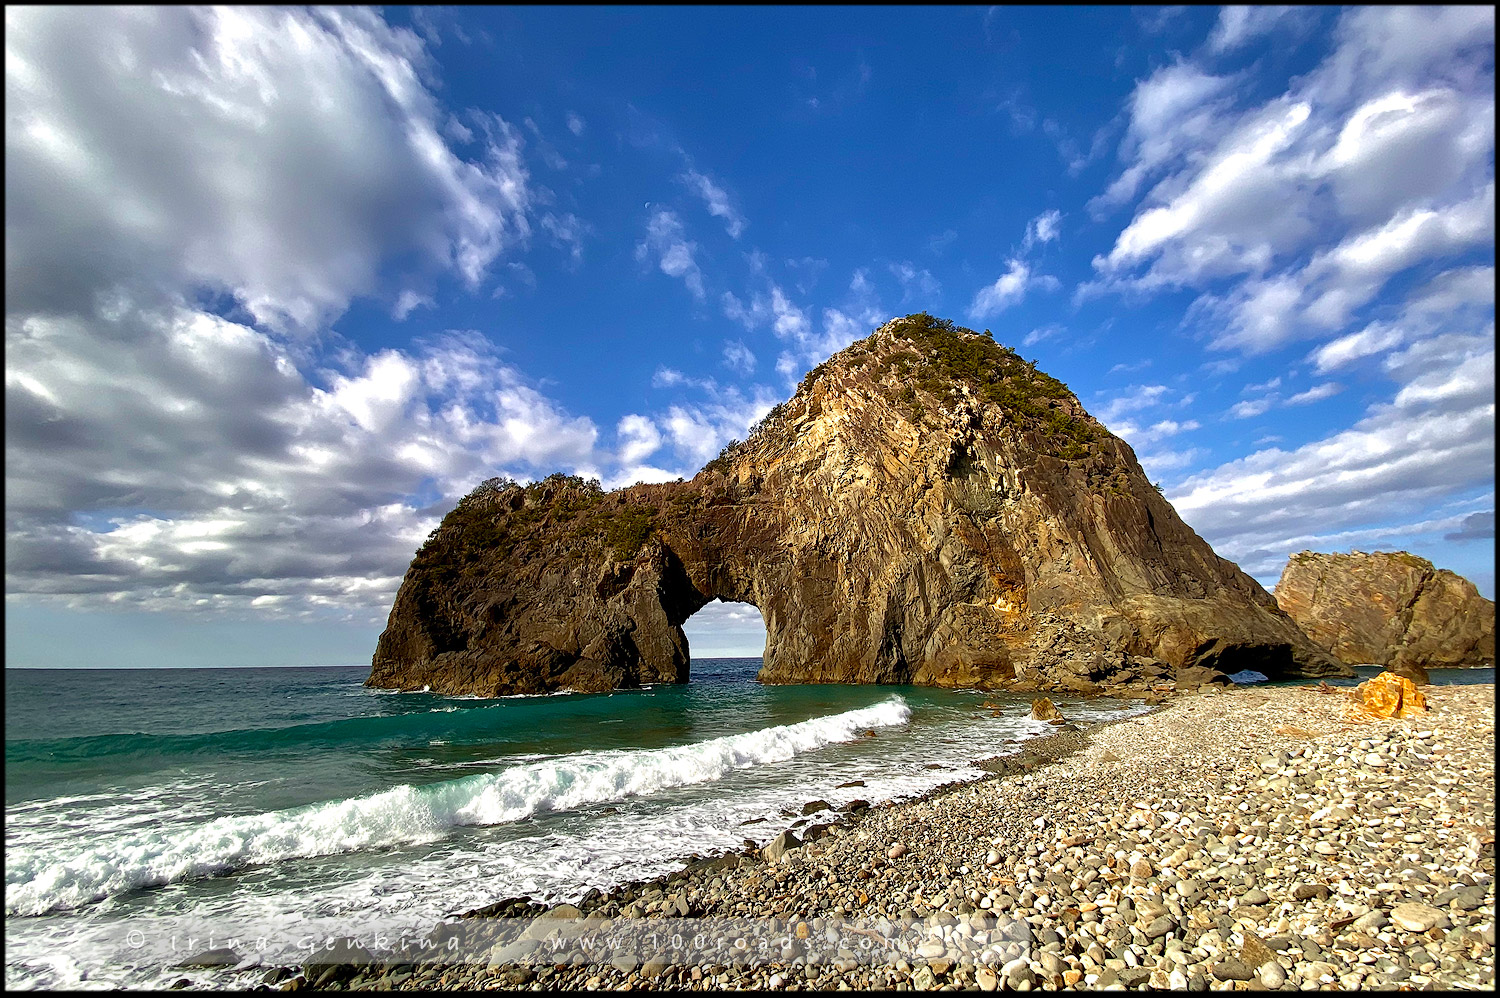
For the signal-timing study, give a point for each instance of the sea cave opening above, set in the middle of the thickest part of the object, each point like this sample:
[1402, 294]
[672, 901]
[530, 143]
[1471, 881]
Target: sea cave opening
[725, 638]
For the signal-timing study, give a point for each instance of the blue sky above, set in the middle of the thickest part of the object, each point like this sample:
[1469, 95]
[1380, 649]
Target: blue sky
[282, 284]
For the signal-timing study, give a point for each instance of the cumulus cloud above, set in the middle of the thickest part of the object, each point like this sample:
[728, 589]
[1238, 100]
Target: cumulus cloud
[1174, 110]
[1454, 301]
[276, 163]
[567, 231]
[1434, 441]
[1320, 211]
[1009, 289]
[190, 462]
[163, 147]
[697, 432]
[1293, 215]
[666, 240]
[409, 301]
[1044, 333]
[1476, 527]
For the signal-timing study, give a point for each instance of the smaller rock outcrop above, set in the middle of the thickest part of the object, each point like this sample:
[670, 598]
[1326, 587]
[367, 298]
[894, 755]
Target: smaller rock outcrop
[1389, 608]
[1389, 695]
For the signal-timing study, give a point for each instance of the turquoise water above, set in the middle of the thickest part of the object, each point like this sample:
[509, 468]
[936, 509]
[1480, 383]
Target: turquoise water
[297, 800]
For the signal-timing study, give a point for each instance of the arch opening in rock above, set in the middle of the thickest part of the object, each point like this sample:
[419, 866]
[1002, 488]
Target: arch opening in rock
[725, 629]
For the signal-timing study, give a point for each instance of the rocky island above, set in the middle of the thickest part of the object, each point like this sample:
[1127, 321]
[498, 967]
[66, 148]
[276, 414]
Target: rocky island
[1389, 608]
[927, 508]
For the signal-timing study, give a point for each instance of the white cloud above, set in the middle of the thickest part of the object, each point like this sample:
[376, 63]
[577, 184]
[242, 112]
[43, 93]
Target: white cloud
[1400, 147]
[1374, 339]
[1316, 393]
[805, 344]
[1139, 436]
[717, 201]
[639, 439]
[1378, 161]
[575, 123]
[1009, 289]
[1406, 46]
[1251, 407]
[1454, 299]
[1217, 223]
[668, 377]
[1238, 25]
[162, 456]
[568, 232]
[738, 357]
[409, 301]
[1130, 399]
[916, 283]
[788, 321]
[666, 239]
[1157, 464]
[1354, 271]
[699, 432]
[1178, 107]
[1433, 442]
[1044, 333]
[259, 480]
[1042, 229]
[167, 146]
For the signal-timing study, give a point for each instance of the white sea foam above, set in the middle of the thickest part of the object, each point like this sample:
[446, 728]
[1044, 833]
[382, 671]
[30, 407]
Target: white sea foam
[40, 880]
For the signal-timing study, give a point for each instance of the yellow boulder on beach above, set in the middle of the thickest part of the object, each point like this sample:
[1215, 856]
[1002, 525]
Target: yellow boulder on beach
[1390, 695]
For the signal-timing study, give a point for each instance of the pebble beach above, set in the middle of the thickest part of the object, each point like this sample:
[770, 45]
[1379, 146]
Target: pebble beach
[1251, 838]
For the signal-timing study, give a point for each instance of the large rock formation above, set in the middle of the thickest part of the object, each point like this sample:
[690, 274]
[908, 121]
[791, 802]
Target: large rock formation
[1388, 608]
[927, 508]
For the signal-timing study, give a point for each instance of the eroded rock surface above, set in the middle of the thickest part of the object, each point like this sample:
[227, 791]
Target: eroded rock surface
[927, 508]
[1389, 608]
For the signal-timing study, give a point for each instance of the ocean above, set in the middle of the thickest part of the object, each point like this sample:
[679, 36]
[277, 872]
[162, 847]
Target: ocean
[154, 814]
[147, 810]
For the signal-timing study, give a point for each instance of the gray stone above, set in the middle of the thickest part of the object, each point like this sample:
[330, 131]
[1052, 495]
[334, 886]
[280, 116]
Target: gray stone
[1232, 969]
[778, 847]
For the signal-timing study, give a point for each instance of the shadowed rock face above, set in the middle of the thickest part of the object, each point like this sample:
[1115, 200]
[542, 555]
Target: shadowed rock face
[927, 508]
[1388, 608]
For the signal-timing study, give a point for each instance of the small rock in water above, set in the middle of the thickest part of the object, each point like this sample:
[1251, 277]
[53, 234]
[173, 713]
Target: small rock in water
[1043, 709]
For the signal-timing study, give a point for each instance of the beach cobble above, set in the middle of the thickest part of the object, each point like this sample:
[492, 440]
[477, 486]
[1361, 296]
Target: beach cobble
[1254, 838]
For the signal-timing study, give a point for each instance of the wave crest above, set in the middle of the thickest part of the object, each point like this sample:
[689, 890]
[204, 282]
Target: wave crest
[38, 881]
